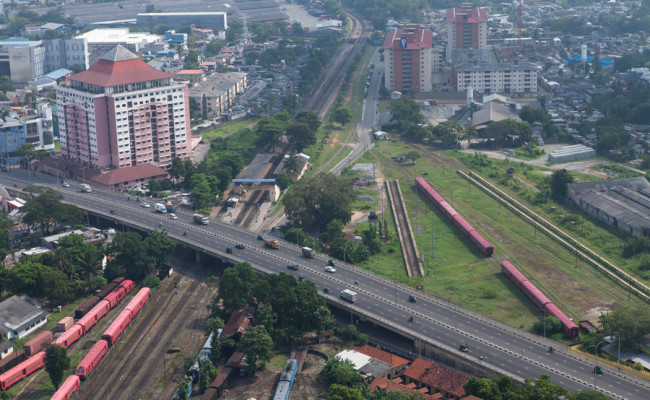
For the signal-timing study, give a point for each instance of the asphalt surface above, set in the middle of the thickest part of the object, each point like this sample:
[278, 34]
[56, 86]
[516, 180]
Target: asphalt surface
[509, 349]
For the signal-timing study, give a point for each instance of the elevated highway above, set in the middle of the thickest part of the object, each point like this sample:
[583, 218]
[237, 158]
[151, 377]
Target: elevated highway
[438, 327]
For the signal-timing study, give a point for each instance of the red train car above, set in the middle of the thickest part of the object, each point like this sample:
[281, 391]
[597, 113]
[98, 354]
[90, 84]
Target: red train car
[90, 361]
[128, 285]
[476, 238]
[115, 296]
[94, 315]
[70, 336]
[117, 327]
[138, 301]
[541, 301]
[69, 386]
[22, 370]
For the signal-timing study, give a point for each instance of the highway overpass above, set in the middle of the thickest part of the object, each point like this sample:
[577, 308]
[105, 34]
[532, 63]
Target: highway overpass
[438, 327]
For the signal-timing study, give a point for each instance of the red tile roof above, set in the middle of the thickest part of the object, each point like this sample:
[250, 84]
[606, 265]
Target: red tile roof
[190, 72]
[471, 397]
[239, 320]
[129, 174]
[381, 355]
[395, 386]
[119, 71]
[437, 376]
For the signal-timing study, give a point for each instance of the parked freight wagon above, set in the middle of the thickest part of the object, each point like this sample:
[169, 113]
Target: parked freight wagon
[35, 345]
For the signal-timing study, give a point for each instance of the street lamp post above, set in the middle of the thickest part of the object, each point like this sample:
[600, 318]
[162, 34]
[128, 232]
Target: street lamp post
[618, 355]
[595, 372]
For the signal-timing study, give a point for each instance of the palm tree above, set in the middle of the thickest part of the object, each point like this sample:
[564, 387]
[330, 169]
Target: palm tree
[88, 262]
[63, 263]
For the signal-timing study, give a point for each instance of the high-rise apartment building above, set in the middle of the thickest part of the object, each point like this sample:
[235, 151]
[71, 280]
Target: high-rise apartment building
[121, 113]
[409, 59]
[466, 28]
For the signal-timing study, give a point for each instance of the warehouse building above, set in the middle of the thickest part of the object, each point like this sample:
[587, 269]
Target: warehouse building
[571, 153]
[623, 203]
[217, 21]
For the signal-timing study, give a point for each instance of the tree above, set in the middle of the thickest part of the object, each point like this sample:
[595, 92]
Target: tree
[131, 254]
[56, 362]
[56, 286]
[47, 210]
[591, 395]
[266, 317]
[342, 115]
[301, 135]
[318, 200]
[413, 156]
[269, 131]
[405, 110]
[485, 389]
[88, 261]
[283, 180]
[548, 325]
[207, 373]
[213, 324]
[341, 372]
[334, 231]
[257, 345]
[200, 191]
[26, 277]
[159, 246]
[177, 169]
[184, 387]
[632, 322]
[236, 285]
[559, 181]
[151, 281]
[5, 84]
[341, 392]
[310, 118]
[191, 60]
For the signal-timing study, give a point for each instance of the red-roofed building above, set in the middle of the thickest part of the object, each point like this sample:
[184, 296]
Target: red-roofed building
[466, 28]
[396, 385]
[410, 59]
[381, 355]
[129, 177]
[436, 378]
[122, 112]
[239, 320]
[190, 74]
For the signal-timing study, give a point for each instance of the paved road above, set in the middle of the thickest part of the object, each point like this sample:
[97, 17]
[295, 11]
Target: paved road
[504, 347]
[368, 119]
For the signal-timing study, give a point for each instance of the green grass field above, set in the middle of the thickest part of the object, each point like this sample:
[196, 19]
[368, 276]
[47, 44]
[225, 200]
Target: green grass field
[228, 128]
[455, 270]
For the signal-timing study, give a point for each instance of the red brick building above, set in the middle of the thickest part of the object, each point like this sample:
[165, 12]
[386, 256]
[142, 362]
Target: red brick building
[436, 378]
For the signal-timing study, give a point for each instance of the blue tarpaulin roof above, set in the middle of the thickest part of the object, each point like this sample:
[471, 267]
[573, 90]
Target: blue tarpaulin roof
[59, 73]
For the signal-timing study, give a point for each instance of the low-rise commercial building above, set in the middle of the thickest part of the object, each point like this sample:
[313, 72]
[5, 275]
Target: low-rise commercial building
[102, 40]
[571, 153]
[217, 21]
[623, 203]
[21, 315]
[488, 77]
[215, 94]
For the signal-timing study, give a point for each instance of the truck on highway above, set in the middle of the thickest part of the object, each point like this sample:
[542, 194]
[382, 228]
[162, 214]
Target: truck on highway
[160, 207]
[201, 219]
[272, 243]
[349, 295]
[308, 252]
[86, 188]
[170, 207]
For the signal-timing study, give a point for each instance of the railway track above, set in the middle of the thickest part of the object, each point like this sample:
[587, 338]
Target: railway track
[404, 232]
[322, 97]
[124, 377]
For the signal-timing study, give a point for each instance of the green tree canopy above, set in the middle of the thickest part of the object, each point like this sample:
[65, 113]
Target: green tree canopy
[301, 135]
[56, 363]
[405, 110]
[310, 118]
[316, 201]
[341, 372]
[257, 345]
[342, 115]
[47, 210]
[559, 181]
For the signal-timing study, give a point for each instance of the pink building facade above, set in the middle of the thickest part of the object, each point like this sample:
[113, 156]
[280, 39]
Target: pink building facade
[121, 113]
[466, 28]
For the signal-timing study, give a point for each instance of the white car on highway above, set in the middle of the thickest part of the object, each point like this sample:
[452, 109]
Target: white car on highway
[145, 205]
[329, 269]
[173, 216]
